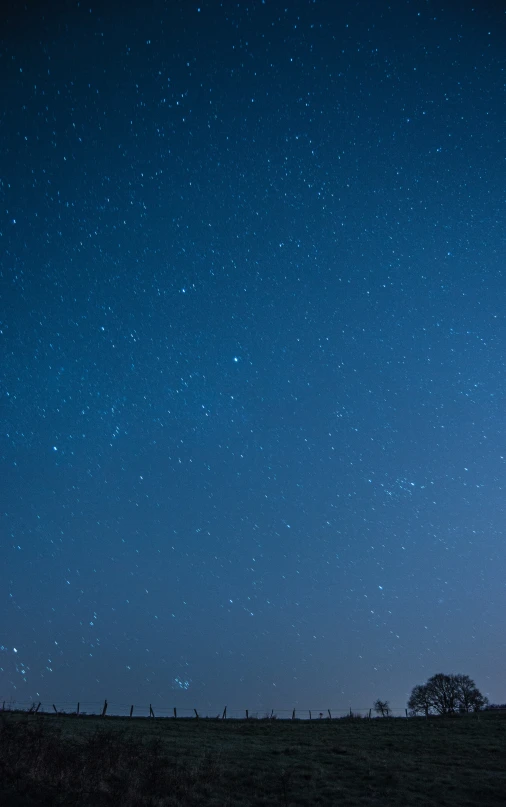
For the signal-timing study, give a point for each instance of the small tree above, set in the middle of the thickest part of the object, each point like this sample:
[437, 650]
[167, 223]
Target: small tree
[382, 708]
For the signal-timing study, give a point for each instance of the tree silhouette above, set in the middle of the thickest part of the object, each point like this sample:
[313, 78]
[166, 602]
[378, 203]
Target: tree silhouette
[446, 695]
[382, 708]
[469, 696]
[420, 701]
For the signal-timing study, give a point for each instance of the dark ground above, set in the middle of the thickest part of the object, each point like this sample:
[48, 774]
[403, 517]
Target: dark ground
[64, 760]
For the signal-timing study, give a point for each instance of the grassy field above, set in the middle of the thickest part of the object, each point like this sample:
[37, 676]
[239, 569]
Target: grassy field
[64, 760]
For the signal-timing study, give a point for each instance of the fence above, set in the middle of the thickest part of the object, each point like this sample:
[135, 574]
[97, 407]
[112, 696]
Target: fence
[106, 709]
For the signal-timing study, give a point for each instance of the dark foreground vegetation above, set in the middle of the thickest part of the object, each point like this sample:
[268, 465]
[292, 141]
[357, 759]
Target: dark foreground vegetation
[66, 760]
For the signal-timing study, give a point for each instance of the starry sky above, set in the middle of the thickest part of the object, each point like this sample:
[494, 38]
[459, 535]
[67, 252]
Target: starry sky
[253, 346]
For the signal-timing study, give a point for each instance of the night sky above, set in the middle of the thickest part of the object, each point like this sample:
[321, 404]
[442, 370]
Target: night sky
[253, 351]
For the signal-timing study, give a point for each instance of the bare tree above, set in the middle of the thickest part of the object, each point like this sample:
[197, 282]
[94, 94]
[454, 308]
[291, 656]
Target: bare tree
[420, 701]
[382, 708]
[469, 696]
[443, 693]
[446, 695]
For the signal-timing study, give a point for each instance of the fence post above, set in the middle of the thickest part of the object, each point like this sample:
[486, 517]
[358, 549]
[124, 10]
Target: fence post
[351, 713]
[175, 712]
[38, 707]
[293, 715]
[131, 710]
[224, 715]
[310, 715]
[77, 710]
[196, 714]
[54, 707]
[247, 715]
[3, 706]
[104, 710]
[406, 712]
[370, 710]
[272, 713]
[151, 713]
[330, 716]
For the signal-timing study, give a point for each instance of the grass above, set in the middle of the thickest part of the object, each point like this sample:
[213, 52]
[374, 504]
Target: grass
[65, 760]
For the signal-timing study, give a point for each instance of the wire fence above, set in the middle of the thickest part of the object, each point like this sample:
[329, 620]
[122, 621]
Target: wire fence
[107, 709]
